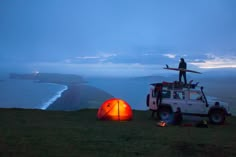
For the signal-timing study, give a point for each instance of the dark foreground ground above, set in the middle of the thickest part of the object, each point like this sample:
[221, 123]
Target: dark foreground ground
[39, 133]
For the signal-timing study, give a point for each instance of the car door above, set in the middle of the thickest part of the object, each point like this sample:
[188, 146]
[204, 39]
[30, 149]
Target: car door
[195, 102]
[152, 100]
[179, 100]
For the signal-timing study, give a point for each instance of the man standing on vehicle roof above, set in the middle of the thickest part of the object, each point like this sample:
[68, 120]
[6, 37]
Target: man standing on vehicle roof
[182, 72]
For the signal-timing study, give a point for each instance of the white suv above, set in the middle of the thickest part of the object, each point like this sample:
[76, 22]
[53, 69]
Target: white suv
[189, 98]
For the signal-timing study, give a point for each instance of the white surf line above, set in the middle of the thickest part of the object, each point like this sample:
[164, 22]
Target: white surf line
[54, 98]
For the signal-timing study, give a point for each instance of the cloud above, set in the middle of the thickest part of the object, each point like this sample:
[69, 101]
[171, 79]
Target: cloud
[108, 55]
[213, 61]
[101, 69]
[197, 61]
[169, 55]
[88, 57]
[101, 57]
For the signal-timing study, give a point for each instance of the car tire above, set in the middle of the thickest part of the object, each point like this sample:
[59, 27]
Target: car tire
[165, 113]
[217, 117]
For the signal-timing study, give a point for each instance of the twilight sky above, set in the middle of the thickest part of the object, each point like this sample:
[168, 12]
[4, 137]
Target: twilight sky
[116, 37]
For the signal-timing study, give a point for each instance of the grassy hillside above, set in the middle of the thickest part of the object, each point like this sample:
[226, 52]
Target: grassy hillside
[79, 133]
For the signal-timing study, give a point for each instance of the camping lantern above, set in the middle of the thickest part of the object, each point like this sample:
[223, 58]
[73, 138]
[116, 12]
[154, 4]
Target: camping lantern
[115, 109]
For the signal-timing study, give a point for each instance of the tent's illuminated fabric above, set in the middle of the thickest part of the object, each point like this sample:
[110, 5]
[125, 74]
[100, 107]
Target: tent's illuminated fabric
[115, 109]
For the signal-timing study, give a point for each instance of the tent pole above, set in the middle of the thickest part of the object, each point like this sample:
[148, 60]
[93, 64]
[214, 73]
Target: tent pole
[118, 109]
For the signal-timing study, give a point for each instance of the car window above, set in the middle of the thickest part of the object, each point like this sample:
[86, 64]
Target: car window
[166, 94]
[179, 95]
[195, 95]
[154, 94]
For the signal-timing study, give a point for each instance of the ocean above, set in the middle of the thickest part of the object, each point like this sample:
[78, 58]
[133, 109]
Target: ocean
[133, 91]
[28, 94]
[33, 95]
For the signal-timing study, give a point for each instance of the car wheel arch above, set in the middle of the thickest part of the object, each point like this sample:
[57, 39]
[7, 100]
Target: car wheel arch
[217, 115]
[214, 108]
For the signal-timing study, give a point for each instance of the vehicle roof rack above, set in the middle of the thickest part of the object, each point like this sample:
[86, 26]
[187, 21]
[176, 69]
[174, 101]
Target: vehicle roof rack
[175, 85]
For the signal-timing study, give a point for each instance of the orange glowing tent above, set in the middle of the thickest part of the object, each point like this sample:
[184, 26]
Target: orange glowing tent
[115, 109]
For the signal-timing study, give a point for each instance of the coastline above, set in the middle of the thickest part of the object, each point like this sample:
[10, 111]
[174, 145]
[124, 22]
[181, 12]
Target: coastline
[64, 80]
[79, 96]
[75, 95]
[54, 98]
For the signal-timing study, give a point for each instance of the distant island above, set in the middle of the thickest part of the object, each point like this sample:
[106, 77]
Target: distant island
[79, 95]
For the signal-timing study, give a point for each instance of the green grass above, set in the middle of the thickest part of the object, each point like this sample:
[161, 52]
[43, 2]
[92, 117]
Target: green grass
[79, 133]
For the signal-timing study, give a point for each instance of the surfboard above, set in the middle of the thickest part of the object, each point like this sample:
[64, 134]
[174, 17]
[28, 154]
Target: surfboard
[179, 69]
